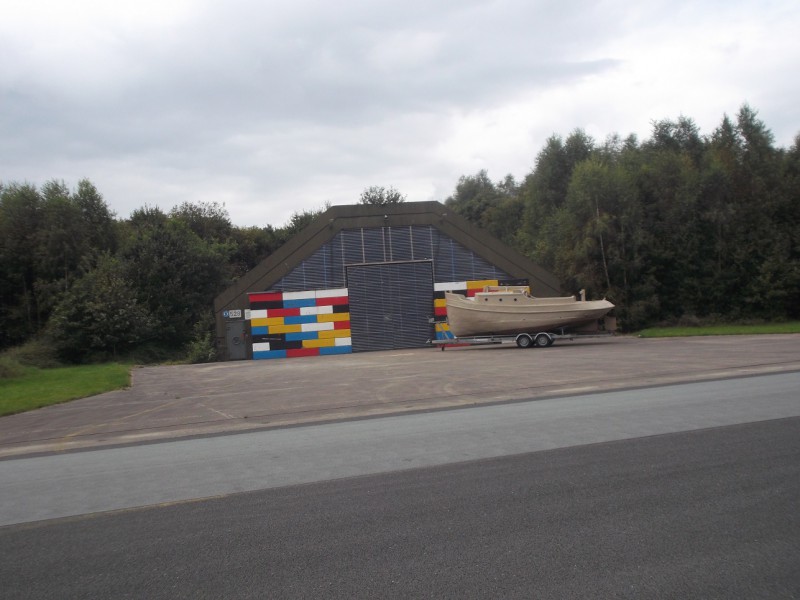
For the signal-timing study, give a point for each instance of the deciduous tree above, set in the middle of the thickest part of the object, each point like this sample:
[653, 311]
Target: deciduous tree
[100, 316]
[381, 196]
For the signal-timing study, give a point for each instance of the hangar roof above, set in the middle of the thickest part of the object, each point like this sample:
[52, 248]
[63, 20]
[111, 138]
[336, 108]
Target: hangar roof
[337, 218]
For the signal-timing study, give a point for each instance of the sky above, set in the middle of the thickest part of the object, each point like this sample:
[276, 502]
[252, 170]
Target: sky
[275, 107]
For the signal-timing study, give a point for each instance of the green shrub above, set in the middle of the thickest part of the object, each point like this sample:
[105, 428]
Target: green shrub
[201, 349]
[10, 367]
[37, 352]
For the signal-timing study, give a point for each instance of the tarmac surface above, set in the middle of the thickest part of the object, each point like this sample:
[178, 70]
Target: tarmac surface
[709, 513]
[168, 402]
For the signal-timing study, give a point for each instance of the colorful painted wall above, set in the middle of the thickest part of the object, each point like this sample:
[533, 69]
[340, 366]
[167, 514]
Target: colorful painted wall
[293, 324]
[317, 322]
[465, 288]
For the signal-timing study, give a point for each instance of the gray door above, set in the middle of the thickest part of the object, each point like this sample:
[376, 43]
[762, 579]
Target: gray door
[236, 336]
[390, 305]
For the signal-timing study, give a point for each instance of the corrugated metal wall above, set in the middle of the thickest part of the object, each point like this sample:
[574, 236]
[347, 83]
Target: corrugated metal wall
[389, 273]
[391, 305]
[327, 267]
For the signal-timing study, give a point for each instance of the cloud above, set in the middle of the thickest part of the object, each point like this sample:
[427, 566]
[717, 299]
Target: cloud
[274, 107]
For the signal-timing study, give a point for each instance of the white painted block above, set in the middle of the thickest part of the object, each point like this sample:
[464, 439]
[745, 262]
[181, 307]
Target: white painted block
[334, 293]
[298, 295]
[317, 326]
[450, 286]
[260, 346]
[344, 341]
[316, 310]
[257, 314]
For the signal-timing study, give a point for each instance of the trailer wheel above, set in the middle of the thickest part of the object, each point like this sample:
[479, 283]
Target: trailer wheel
[524, 341]
[542, 340]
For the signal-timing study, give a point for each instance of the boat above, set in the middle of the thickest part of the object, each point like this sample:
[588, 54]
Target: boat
[510, 310]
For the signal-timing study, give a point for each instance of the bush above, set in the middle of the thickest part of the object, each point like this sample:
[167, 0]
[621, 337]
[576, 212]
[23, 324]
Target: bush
[10, 367]
[99, 317]
[37, 352]
[201, 350]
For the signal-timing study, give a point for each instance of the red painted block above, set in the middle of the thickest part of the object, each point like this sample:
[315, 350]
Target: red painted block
[341, 324]
[332, 301]
[471, 293]
[302, 352]
[283, 312]
[267, 297]
[440, 311]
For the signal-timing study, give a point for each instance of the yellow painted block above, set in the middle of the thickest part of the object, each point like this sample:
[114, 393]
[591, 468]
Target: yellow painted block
[333, 317]
[318, 343]
[440, 303]
[334, 333]
[285, 329]
[480, 284]
[442, 327]
[267, 322]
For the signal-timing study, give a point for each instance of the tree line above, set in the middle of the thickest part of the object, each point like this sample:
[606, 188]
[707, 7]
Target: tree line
[95, 287]
[680, 226]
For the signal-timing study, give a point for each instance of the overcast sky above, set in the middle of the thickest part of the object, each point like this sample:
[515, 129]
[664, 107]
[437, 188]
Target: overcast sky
[272, 107]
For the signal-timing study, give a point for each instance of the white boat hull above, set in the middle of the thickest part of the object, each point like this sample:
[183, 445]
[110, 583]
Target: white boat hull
[512, 313]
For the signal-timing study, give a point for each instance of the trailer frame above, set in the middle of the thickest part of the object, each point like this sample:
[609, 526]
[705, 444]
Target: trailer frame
[539, 339]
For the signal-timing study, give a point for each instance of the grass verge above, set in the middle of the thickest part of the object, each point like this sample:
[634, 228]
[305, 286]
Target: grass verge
[34, 387]
[765, 328]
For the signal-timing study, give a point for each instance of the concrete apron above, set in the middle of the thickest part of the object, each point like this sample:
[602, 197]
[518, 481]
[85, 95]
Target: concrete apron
[188, 400]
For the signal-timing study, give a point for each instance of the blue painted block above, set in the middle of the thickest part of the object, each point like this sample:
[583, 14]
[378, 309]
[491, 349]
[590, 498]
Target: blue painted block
[300, 320]
[336, 350]
[269, 354]
[300, 303]
[303, 335]
[260, 330]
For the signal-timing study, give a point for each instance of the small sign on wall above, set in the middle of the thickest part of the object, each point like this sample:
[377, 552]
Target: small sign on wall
[232, 314]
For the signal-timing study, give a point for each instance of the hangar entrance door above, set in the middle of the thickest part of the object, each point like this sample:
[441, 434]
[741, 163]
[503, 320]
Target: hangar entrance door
[391, 305]
[236, 336]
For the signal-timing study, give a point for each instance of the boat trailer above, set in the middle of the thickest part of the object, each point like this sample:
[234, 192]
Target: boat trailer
[543, 339]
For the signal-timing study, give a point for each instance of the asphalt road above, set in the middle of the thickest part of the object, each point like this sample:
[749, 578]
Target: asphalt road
[67, 484]
[689, 490]
[706, 514]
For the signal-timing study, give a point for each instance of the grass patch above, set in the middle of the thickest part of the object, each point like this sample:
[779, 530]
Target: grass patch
[765, 328]
[34, 387]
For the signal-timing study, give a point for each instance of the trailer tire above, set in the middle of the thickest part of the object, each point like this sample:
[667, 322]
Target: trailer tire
[542, 340]
[524, 341]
